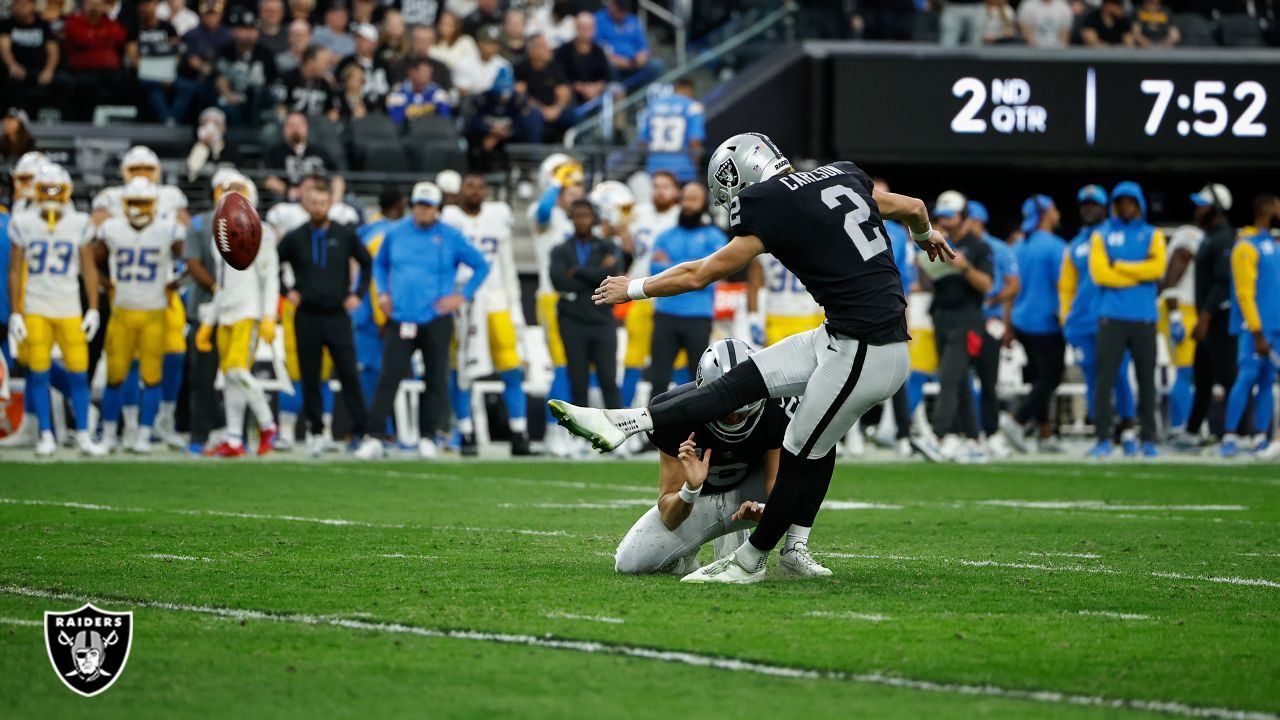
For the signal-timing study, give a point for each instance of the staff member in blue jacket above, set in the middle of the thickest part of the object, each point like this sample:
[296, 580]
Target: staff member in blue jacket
[683, 321]
[1035, 318]
[1005, 285]
[415, 270]
[1126, 260]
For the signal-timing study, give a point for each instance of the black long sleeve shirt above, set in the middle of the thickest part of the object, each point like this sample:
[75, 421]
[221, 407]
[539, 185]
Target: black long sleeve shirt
[1213, 268]
[321, 262]
[577, 280]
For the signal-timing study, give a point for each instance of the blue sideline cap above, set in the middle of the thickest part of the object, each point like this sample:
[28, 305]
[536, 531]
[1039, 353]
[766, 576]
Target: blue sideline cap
[1032, 209]
[1093, 194]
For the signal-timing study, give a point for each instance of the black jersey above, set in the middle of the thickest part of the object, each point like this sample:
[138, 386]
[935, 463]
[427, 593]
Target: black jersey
[824, 226]
[731, 462]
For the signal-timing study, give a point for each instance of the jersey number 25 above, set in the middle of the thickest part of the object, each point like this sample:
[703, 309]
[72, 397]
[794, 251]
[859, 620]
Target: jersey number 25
[865, 235]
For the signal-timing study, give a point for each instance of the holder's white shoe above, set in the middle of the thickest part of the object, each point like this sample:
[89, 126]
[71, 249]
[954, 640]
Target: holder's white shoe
[725, 571]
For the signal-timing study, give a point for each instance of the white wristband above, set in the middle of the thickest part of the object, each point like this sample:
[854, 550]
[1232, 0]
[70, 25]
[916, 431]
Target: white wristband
[921, 237]
[689, 496]
[635, 289]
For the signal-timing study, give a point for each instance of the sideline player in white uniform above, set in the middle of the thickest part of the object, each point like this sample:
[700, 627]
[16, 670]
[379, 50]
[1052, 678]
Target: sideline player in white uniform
[826, 226]
[141, 161]
[713, 496]
[493, 323]
[51, 247]
[561, 179]
[244, 310]
[139, 248]
[648, 221]
[778, 304]
[1178, 317]
[24, 185]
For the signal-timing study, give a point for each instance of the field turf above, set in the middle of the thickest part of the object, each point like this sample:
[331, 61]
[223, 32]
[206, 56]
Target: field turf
[486, 589]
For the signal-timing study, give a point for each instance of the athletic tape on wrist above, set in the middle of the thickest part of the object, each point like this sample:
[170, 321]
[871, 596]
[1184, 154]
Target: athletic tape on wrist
[635, 289]
[688, 495]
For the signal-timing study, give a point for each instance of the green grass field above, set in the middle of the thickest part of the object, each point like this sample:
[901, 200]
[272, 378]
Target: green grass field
[455, 590]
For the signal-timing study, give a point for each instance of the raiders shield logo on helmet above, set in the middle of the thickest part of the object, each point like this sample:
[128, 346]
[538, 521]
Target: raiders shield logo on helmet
[727, 173]
[88, 647]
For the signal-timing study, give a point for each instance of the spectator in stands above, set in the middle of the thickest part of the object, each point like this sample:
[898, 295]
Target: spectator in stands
[682, 322]
[477, 74]
[351, 97]
[487, 12]
[418, 96]
[514, 36]
[543, 83]
[376, 82]
[30, 53]
[176, 13]
[618, 30]
[1108, 26]
[418, 292]
[421, 12]
[1153, 26]
[452, 47]
[501, 115]
[273, 34]
[961, 21]
[335, 34]
[308, 88]
[585, 64]
[673, 130]
[200, 46]
[298, 158]
[957, 316]
[299, 39]
[365, 11]
[211, 149]
[887, 19]
[302, 10]
[553, 19]
[588, 331]
[245, 71]
[95, 56]
[54, 13]
[153, 49]
[15, 139]
[394, 45]
[1046, 23]
[822, 20]
[421, 44]
[1001, 24]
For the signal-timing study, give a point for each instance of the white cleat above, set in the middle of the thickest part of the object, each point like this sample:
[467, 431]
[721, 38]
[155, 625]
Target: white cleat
[46, 445]
[903, 448]
[1270, 453]
[928, 447]
[316, 446]
[798, 562]
[89, 448]
[141, 447]
[557, 442]
[1016, 434]
[25, 436]
[427, 450]
[725, 571]
[108, 444]
[998, 447]
[856, 442]
[594, 425]
[370, 449]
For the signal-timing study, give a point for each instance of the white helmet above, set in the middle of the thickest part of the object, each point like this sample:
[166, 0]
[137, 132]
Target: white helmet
[140, 199]
[740, 162]
[720, 358]
[551, 165]
[237, 183]
[52, 187]
[449, 182]
[613, 200]
[24, 174]
[140, 160]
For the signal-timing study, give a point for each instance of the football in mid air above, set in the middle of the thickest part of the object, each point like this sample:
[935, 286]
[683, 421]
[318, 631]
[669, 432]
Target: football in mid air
[237, 230]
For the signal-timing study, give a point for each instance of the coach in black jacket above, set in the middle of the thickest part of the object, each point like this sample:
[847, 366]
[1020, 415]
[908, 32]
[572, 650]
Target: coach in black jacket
[589, 331]
[320, 254]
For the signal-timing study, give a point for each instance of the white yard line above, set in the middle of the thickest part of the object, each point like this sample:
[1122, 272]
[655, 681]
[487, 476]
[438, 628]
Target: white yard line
[338, 522]
[621, 504]
[1102, 505]
[402, 556]
[1051, 697]
[1116, 615]
[182, 558]
[1091, 570]
[588, 618]
[869, 617]
[855, 505]
[1265, 555]
[863, 556]
[20, 621]
[566, 484]
[1078, 556]
[1256, 582]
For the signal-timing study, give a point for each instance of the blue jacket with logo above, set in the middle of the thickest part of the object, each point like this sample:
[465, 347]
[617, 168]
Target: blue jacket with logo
[417, 266]
[678, 245]
[1255, 283]
[1127, 260]
[1005, 263]
[1035, 310]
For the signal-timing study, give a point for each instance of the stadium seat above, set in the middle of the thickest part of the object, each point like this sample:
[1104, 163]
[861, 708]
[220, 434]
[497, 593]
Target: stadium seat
[433, 127]
[1240, 30]
[434, 155]
[381, 155]
[925, 26]
[374, 126]
[324, 132]
[1196, 30]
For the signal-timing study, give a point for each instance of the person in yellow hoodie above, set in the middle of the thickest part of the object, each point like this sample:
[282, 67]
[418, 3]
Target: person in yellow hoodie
[1255, 320]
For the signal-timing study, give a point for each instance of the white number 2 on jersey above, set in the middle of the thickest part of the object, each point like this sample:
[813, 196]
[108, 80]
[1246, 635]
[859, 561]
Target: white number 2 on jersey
[865, 236]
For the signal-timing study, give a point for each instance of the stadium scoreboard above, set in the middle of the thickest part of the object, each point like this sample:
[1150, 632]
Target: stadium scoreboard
[1080, 104]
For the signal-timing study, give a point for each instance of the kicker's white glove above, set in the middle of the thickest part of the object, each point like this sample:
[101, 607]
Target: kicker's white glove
[92, 321]
[17, 328]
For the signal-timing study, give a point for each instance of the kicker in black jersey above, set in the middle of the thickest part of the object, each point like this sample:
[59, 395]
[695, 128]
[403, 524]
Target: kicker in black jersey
[825, 227]
[730, 461]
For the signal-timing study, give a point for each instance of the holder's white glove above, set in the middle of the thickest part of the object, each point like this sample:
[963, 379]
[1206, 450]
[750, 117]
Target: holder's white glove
[757, 329]
[92, 321]
[17, 328]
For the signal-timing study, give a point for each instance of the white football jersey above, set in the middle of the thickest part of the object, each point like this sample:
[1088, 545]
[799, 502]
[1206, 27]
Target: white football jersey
[1189, 238]
[286, 217]
[647, 223]
[557, 230]
[141, 261]
[169, 201]
[489, 231]
[252, 293]
[52, 256]
[784, 294]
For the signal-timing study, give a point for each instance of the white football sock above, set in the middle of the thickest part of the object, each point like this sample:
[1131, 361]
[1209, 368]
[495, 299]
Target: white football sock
[236, 403]
[110, 430]
[466, 426]
[751, 558]
[519, 425]
[796, 535]
[626, 419]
